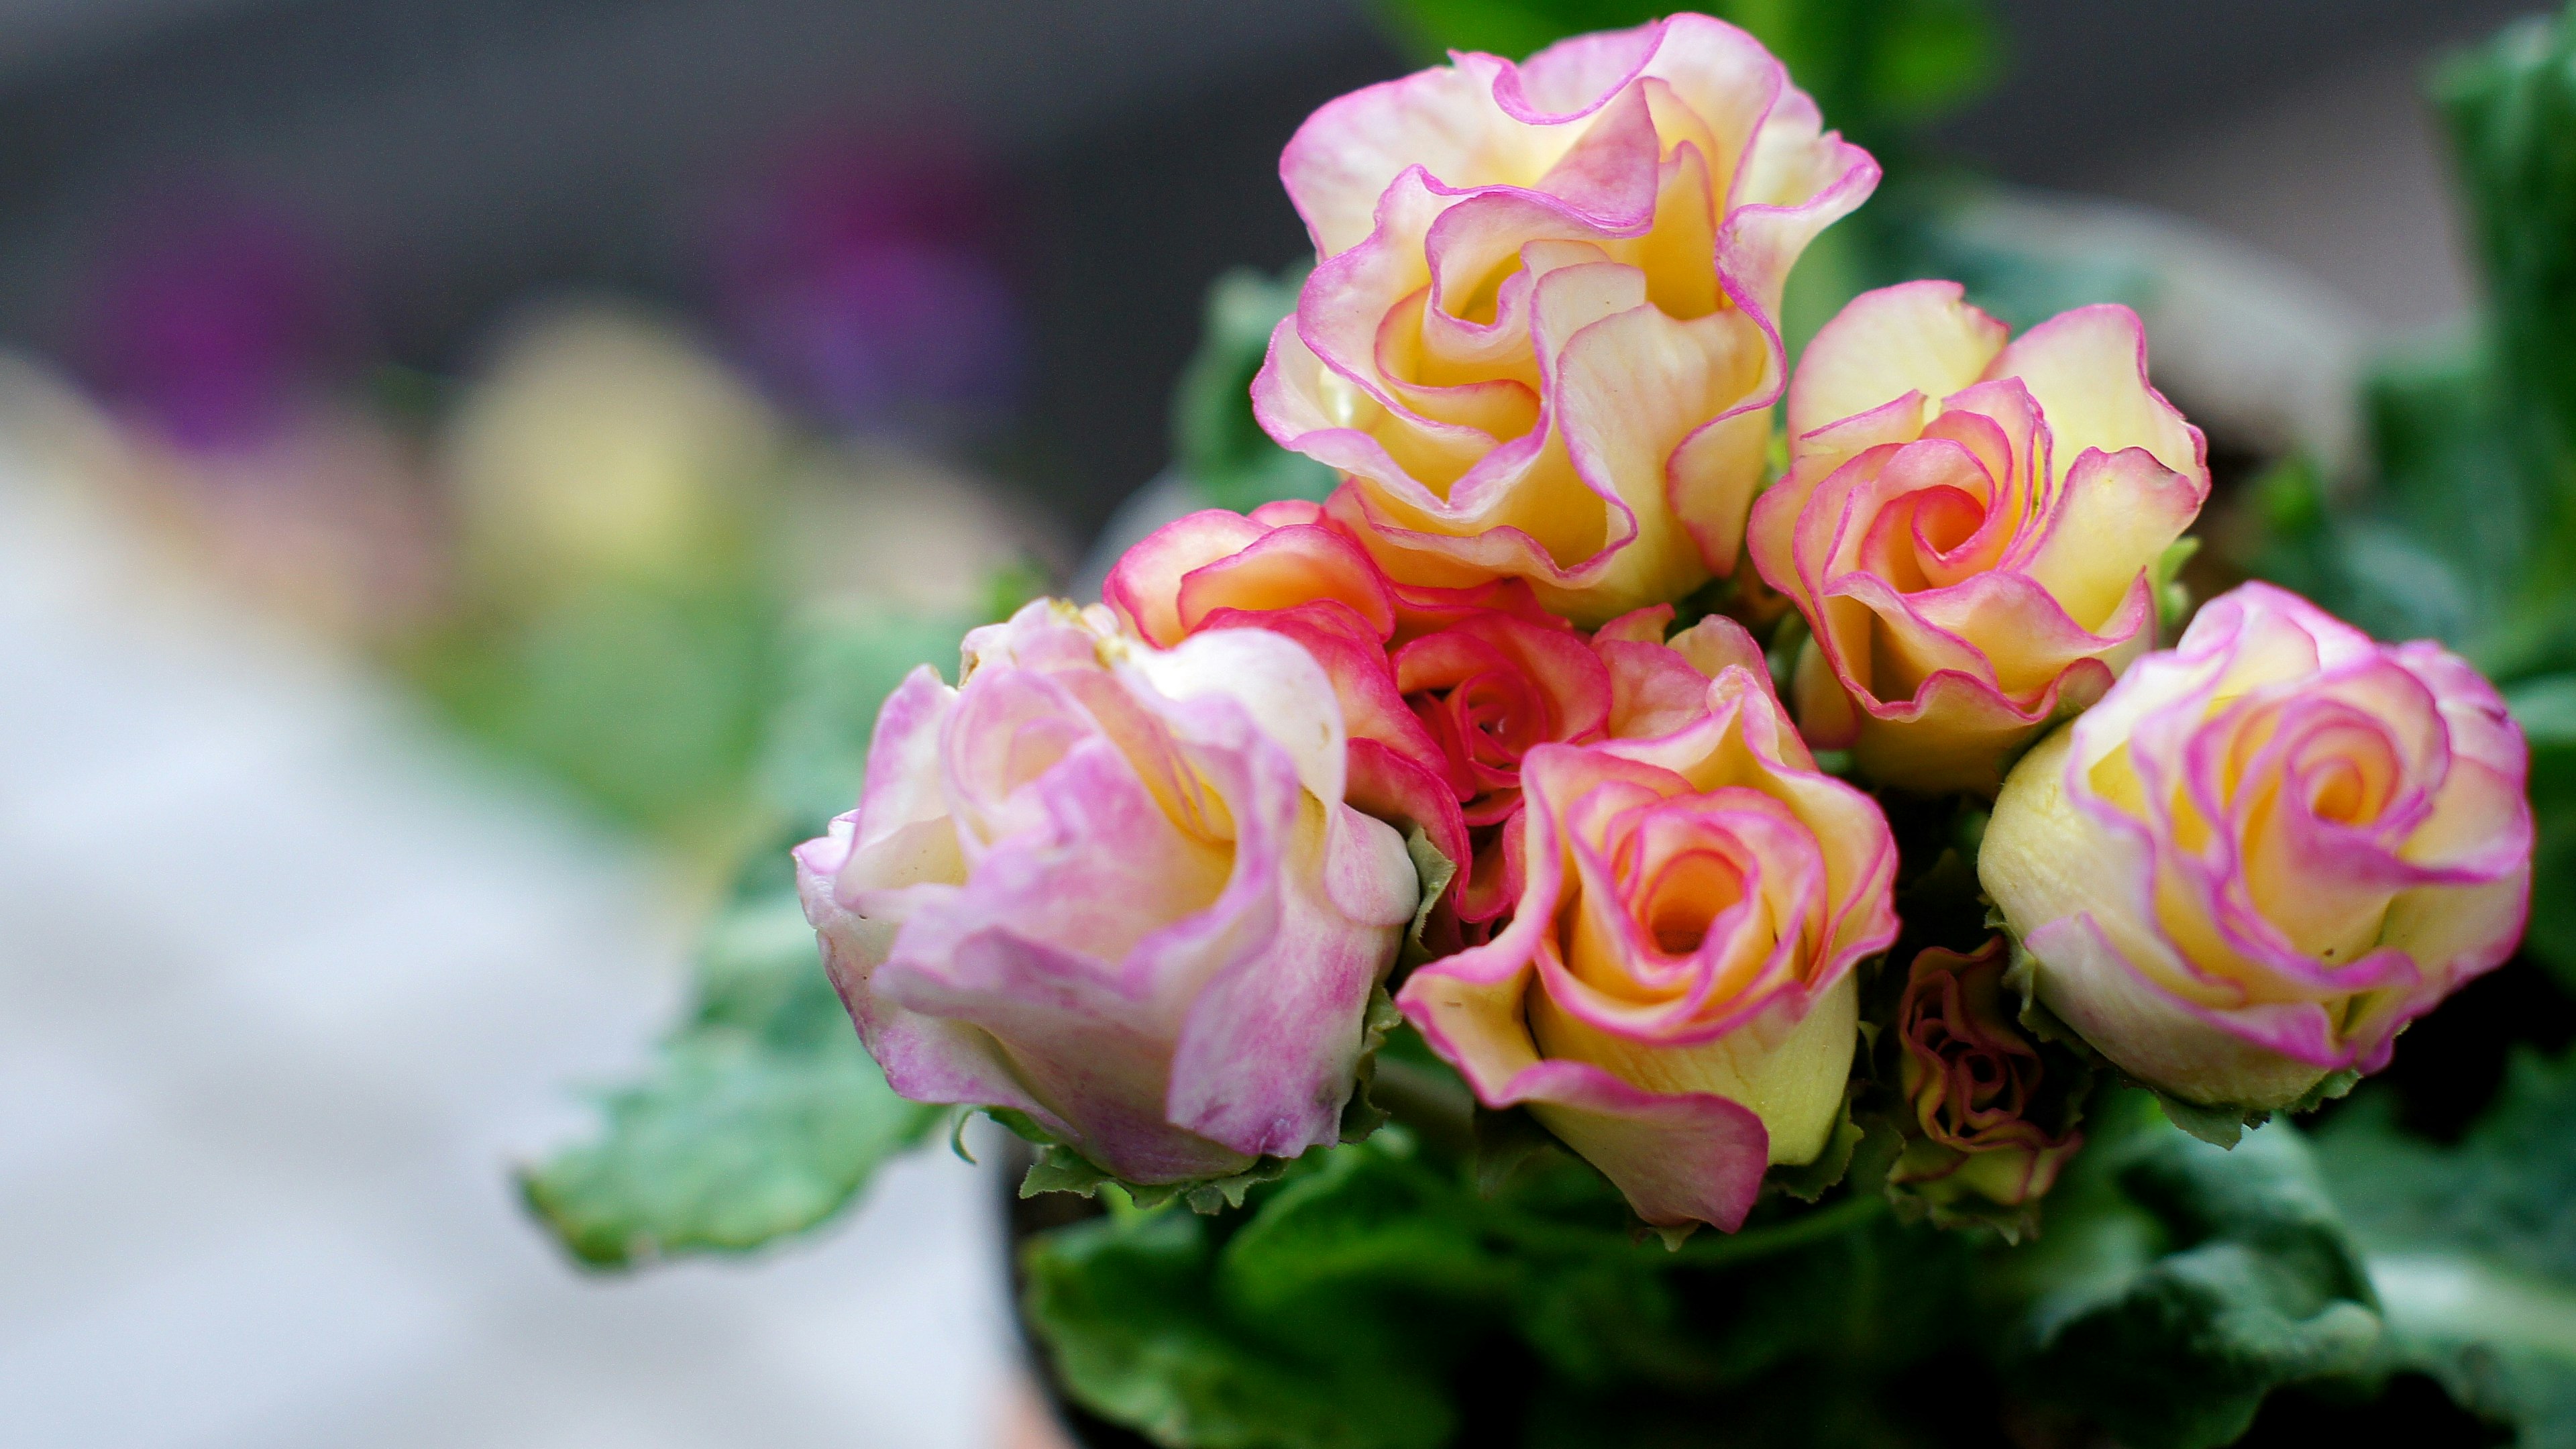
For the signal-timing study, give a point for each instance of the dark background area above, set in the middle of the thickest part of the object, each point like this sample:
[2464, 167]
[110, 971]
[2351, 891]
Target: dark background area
[463, 154]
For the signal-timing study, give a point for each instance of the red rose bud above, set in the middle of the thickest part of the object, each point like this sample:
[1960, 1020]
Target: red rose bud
[1987, 1124]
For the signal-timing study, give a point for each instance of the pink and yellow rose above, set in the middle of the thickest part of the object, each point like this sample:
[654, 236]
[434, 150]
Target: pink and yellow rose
[2265, 851]
[1540, 343]
[1444, 691]
[1971, 526]
[1674, 996]
[1117, 889]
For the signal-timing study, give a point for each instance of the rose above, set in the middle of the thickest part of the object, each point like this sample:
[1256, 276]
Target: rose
[2265, 851]
[1444, 690]
[1971, 528]
[1116, 889]
[1975, 1089]
[1541, 340]
[1674, 996]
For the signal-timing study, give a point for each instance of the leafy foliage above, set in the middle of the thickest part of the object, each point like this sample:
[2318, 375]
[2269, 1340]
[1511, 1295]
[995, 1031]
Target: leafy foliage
[2182, 1282]
[761, 1115]
[838, 670]
[2511, 110]
[1128, 1307]
[1874, 66]
[646, 699]
[2546, 710]
[1217, 443]
[2473, 1247]
[1419, 1311]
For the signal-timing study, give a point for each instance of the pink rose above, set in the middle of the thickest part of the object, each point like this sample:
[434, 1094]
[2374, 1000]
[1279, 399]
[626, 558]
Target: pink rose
[1674, 996]
[1970, 527]
[1444, 690]
[1541, 341]
[2265, 851]
[1117, 889]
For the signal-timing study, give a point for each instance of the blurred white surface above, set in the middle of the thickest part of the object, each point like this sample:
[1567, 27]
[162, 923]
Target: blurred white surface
[289, 982]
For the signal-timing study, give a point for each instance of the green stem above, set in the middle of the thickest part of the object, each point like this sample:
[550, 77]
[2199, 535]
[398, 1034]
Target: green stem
[1530, 1230]
[1857, 1211]
[1436, 1106]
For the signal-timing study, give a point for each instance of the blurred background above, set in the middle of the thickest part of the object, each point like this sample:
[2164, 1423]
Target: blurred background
[423, 429]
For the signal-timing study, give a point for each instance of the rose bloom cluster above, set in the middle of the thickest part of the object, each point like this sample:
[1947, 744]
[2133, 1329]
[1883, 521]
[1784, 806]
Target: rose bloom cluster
[1138, 877]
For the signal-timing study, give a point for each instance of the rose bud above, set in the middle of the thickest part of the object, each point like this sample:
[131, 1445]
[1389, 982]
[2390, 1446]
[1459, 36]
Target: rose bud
[1674, 996]
[1986, 1126]
[2265, 851]
[1116, 889]
[1541, 341]
[1971, 528]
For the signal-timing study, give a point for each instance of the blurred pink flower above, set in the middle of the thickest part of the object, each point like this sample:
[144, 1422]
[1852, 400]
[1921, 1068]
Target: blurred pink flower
[1115, 888]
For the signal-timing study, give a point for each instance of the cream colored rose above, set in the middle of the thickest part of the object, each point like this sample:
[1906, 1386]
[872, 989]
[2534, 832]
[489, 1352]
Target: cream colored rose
[1971, 527]
[1541, 341]
[2265, 851]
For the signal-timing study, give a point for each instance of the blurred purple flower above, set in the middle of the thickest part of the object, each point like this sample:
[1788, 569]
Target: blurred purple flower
[857, 279]
[207, 313]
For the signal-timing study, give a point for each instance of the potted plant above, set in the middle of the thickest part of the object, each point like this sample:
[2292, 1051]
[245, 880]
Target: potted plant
[1686, 899]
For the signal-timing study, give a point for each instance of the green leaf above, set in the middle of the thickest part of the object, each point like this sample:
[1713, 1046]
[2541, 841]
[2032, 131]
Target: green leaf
[2473, 1247]
[2436, 547]
[2180, 1283]
[2546, 710]
[839, 669]
[1217, 442]
[1505, 1142]
[1366, 1225]
[1128, 1309]
[645, 700]
[2221, 1127]
[1433, 872]
[761, 1117]
[1059, 1168]
[2173, 600]
[2510, 107]
[1810, 1180]
[1362, 1115]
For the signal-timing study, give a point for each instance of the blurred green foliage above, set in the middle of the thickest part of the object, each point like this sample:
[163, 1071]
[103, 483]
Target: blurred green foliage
[2546, 709]
[2473, 1246]
[1217, 443]
[647, 699]
[2183, 1282]
[1875, 67]
[760, 1115]
[2510, 108]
